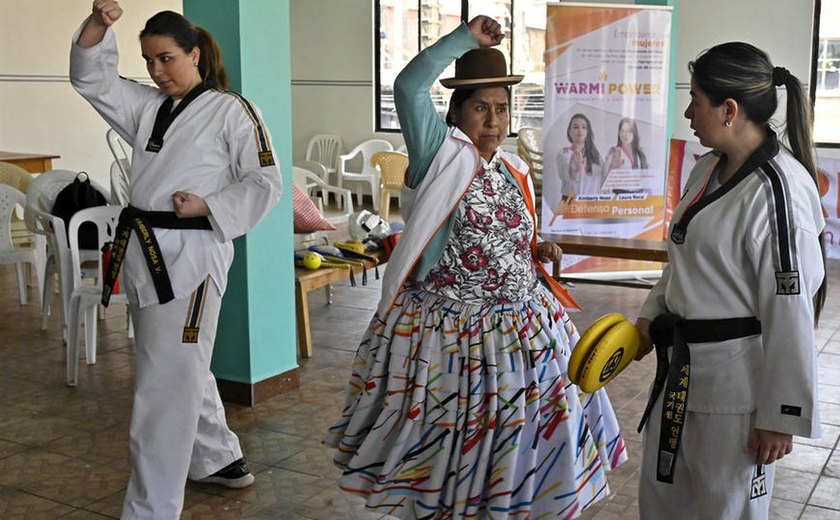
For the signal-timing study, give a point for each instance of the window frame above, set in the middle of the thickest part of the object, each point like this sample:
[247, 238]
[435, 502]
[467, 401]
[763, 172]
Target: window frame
[815, 55]
[377, 52]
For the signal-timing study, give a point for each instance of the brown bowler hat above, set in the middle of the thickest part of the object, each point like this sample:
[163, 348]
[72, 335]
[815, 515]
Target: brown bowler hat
[481, 68]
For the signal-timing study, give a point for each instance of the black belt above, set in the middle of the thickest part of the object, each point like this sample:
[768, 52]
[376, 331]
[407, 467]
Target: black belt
[142, 222]
[669, 330]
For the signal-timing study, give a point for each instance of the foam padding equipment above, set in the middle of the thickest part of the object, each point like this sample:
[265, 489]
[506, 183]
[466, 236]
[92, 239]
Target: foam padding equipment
[603, 351]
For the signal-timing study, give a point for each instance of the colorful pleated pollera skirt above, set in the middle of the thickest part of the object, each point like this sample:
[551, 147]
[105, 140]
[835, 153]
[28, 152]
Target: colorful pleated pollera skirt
[465, 411]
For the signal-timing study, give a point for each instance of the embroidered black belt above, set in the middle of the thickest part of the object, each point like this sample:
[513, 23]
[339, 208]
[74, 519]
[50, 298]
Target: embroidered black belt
[669, 330]
[142, 222]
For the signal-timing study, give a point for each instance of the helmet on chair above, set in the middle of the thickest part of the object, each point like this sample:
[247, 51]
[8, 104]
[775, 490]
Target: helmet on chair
[364, 224]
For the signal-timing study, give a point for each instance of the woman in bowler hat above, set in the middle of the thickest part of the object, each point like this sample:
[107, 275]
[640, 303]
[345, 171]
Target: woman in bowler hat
[459, 404]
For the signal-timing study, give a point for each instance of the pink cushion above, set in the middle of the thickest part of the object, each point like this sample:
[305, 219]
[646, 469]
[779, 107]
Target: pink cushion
[307, 217]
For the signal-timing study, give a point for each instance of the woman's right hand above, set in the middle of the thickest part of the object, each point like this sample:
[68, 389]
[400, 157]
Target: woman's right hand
[615, 158]
[106, 12]
[645, 344]
[487, 31]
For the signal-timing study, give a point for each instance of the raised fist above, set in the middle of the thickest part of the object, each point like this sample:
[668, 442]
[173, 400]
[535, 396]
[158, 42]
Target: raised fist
[486, 31]
[106, 12]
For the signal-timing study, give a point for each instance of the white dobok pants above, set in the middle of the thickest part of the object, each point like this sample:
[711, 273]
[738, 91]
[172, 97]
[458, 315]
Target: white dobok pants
[178, 427]
[714, 477]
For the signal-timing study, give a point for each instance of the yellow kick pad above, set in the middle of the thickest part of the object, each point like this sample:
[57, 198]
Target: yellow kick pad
[604, 350]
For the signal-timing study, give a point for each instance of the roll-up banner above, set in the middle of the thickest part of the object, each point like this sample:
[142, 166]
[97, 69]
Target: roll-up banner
[829, 186]
[605, 127]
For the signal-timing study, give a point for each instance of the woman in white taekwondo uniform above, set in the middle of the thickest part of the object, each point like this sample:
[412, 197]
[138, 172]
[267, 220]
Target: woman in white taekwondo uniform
[202, 173]
[738, 302]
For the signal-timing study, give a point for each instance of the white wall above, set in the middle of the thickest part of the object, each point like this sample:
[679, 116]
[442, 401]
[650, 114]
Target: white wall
[332, 67]
[39, 110]
[332, 72]
[782, 28]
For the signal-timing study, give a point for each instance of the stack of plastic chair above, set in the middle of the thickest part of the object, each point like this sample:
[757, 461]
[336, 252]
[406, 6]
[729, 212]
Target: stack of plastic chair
[326, 149]
[309, 176]
[39, 220]
[368, 174]
[392, 167]
[120, 168]
[12, 201]
[85, 297]
[119, 184]
[530, 147]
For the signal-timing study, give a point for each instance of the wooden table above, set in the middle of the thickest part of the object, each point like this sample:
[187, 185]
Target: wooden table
[31, 162]
[627, 248]
[307, 280]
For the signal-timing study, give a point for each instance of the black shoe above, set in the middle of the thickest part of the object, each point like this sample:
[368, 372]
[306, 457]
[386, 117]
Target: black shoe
[235, 475]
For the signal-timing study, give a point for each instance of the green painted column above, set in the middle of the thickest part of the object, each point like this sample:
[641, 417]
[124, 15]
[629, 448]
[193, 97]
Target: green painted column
[255, 355]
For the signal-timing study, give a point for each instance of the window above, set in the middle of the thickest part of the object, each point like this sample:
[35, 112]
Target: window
[405, 27]
[825, 76]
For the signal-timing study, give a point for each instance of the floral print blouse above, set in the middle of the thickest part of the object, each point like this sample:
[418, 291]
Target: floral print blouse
[488, 258]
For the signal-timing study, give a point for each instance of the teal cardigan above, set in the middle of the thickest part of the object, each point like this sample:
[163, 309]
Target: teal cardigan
[422, 127]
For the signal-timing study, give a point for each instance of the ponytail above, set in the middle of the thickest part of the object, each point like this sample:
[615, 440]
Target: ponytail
[210, 64]
[799, 121]
[798, 126]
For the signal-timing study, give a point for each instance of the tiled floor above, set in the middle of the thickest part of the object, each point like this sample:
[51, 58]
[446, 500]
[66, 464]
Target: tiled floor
[64, 451]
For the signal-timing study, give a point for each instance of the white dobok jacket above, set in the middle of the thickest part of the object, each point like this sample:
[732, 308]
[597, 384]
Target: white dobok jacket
[750, 249]
[212, 149]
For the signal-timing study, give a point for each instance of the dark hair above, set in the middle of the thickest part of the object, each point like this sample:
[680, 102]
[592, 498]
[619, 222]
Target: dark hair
[461, 95]
[188, 36]
[593, 156]
[639, 158]
[744, 73]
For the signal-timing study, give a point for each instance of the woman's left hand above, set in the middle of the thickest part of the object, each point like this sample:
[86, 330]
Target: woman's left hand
[487, 31]
[769, 446]
[549, 252]
[189, 205]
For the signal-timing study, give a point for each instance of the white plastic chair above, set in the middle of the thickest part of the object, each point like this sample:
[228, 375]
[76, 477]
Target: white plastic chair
[305, 175]
[325, 149]
[529, 144]
[368, 174]
[12, 201]
[309, 181]
[120, 168]
[120, 150]
[119, 183]
[85, 297]
[39, 202]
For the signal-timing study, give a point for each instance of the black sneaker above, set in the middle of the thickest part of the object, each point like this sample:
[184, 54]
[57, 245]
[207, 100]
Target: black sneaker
[235, 475]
